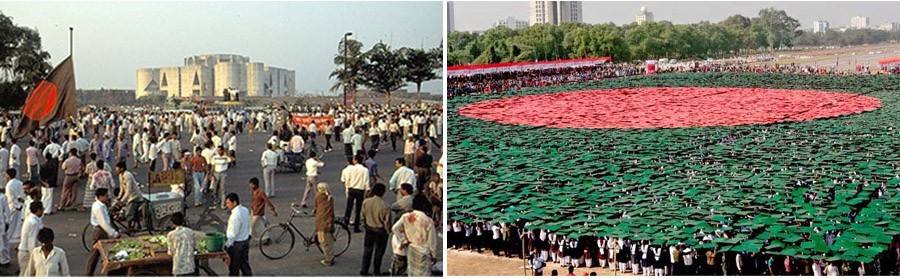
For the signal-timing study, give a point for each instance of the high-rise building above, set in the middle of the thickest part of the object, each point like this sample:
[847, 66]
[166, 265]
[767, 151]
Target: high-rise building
[859, 22]
[555, 12]
[511, 23]
[643, 16]
[450, 21]
[212, 74]
[820, 26]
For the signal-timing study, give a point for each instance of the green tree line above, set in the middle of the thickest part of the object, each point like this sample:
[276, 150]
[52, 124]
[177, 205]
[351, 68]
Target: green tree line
[770, 30]
[382, 69]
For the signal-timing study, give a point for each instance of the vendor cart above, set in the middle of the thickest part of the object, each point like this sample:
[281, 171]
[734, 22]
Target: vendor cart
[156, 263]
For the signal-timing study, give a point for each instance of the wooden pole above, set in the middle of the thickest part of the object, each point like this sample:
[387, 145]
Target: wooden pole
[524, 259]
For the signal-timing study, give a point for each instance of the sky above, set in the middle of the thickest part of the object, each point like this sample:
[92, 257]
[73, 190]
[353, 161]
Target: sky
[113, 39]
[478, 16]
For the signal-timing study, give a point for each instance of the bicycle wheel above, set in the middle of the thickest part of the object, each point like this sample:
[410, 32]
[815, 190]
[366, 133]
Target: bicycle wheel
[341, 239]
[282, 241]
[85, 238]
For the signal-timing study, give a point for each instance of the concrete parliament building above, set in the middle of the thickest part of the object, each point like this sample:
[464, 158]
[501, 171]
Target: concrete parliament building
[209, 75]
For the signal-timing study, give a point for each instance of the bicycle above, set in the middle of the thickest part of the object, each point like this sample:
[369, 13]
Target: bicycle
[282, 237]
[142, 218]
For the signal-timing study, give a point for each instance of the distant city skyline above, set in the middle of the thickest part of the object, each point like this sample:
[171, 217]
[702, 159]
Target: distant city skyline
[114, 39]
[480, 16]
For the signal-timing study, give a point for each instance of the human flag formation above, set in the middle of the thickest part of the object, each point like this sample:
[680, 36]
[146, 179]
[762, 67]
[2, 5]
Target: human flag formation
[53, 99]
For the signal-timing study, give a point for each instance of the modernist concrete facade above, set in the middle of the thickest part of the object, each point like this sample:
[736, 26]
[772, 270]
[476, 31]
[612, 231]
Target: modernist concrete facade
[210, 75]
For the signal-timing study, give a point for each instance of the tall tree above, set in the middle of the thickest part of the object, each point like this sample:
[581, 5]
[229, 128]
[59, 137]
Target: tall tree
[22, 62]
[420, 66]
[349, 66]
[383, 71]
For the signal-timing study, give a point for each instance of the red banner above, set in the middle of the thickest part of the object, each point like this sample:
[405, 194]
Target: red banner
[305, 120]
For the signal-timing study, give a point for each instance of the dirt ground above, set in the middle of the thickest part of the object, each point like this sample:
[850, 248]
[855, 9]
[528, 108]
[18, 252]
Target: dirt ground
[468, 263]
[845, 58]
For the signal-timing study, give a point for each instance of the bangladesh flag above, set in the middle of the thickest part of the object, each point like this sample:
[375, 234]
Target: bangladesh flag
[53, 99]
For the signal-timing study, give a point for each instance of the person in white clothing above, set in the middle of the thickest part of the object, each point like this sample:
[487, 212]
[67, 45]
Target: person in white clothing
[15, 196]
[101, 227]
[4, 240]
[312, 175]
[47, 260]
[4, 159]
[15, 155]
[356, 181]
[30, 228]
[269, 161]
[237, 237]
[401, 175]
[297, 143]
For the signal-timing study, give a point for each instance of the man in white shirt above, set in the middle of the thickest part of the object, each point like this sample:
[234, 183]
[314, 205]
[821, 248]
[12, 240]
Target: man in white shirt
[356, 181]
[53, 150]
[4, 240]
[220, 172]
[30, 228]
[232, 144]
[101, 227]
[237, 237]
[166, 149]
[401, 175]
[297, 143]
[312, 175]
[15, 196]
[347, 138]
[4, 162]
[356, 141]
[136, 149]
[216, 140]
[269, 161]
[312, 128]
[32, 154]
[47, 260]
[15, 155]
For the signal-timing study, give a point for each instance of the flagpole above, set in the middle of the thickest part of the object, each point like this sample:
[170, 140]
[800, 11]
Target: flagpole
[70, 39]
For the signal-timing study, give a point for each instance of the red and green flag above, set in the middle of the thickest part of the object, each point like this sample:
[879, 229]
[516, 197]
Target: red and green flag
[53, 99]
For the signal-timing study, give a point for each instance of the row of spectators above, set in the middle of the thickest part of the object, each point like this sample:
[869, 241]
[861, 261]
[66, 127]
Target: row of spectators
[490, 83]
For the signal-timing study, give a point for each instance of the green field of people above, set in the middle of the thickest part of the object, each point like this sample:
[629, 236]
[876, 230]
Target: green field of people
[824, 189]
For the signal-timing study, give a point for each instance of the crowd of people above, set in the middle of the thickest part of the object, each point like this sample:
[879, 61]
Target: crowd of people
[516, 80]
[641, 257]
[99, 152]
[491, 83]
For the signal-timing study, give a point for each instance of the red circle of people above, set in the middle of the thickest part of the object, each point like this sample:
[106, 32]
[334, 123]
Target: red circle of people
[668, 107]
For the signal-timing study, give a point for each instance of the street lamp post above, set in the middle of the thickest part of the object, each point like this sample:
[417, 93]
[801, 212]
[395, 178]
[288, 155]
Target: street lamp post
[344, 42]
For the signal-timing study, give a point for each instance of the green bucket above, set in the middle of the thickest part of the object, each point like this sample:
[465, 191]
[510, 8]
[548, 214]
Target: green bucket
[215, 241]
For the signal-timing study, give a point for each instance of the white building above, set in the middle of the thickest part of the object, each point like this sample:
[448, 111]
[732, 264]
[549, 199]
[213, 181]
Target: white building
[210, 75]
[643, 16]
[511, 23]
[859, 22]
[889, 26]
[555, 12]
[451, 25]
[820, 26]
